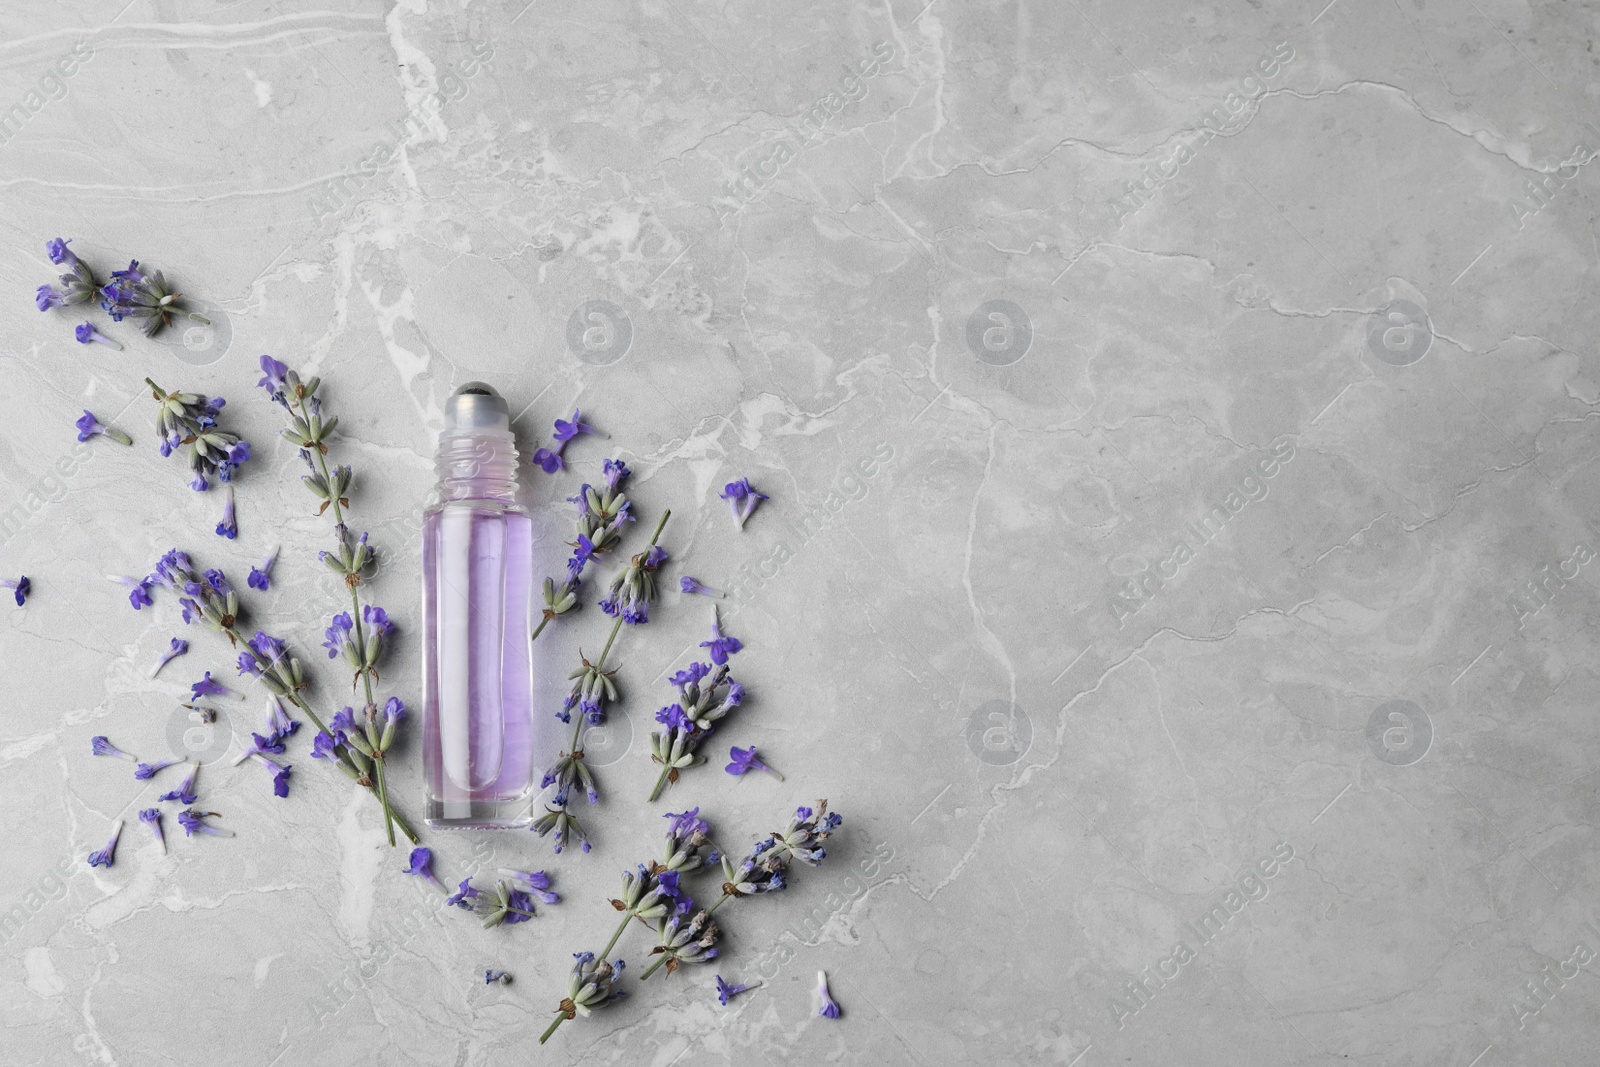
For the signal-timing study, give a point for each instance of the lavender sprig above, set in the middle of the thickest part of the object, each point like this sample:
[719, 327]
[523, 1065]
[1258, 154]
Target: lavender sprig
[602, 513]
[592, 686]
[211, 599]
[360, 634]
[706, 694]
[592, 985]
[145, 298]
[190, 420]
[764, 868]
[78, 285]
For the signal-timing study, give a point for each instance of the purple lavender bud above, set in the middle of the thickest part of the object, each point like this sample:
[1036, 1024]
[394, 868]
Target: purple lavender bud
[548, 461]
[829, 1009]
[177, 648]
[47, 297]
[726, 992]
[151, 817]
[105, 857]
[56, 248]
[566, 431]
[86, 334]
[690, 674]
[746, 759]
[463, 896]
[191, 822]
[616, 471]
[692, 586]
[274, 378]
[150, 770]
[491, 977]
[536, 883]
[185, 793]
[422, 867]
[138, 590]
[103, 747]
[720, 647]
[228, 525]
[89, 426]
[261, 577]
[207, 687]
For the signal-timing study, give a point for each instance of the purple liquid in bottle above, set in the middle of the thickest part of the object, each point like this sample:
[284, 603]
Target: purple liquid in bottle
[480, 748]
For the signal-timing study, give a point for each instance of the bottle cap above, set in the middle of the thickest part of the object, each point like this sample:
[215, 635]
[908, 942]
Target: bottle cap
[476, 406]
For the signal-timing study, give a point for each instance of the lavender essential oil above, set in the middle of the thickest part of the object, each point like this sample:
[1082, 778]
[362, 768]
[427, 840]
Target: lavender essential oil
[480, 747]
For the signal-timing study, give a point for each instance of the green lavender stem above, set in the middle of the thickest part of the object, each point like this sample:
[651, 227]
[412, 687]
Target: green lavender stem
[561, 1017]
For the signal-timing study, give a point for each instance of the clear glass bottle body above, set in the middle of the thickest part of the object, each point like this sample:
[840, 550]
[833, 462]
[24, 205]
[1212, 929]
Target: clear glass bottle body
[479, 748]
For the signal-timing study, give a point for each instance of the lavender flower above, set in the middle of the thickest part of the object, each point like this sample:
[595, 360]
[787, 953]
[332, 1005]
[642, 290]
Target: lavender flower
[103, 747]
[534, 883]
[191, 822]
[89, 426]
[764, 868]
[491, 977]
[691, 586]
[78, 285]
[745, 760]
[634, 587]
[279, 771]
[727, 991]
[86, 334]
[177, 648]
[602, 514]
[829, 1009]
[742, 499]
[393, 711]
[228, 525]
[339, 640]
[275, 379]
[185, 793]
[150, 770]
[560, 825]
[463, 896]
[592, 985]
[720, 647]
[205, 687]
[422, 867]
[261, 577]
[503, 905]
[105, 857]
[138, 589]
[145, 298]
[681, 940]
[706, 695]
[190, 420]
[550, 460]
[151, 817]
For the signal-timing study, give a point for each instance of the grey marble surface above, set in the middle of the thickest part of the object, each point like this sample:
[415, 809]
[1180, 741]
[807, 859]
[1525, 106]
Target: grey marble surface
[1179, 421]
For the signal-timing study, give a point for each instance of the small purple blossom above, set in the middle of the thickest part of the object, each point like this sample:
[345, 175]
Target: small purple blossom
[746, 759]
[205, 687]
[326, 746]
[690, 674]
[105, 857]
[177, 648]
[548, 461]
[491, 977]
[727, 991]
[720, 647]
[228, 525]
[377, 620]
[338, 636]
[149, 770]
[185, 793]
[102, 746]
[422, 867]
[86, 334]
[742, 499]
[56, 248]
[692, 586]
[673, 717]
[192, 824]
[261, 577]
[151, 817]
[829, 1009]
[89, 426]
[463, 896]
[615, 471]
[279, 771]
[536, 883]
[274, 377]
[566, 431]
[138, 589]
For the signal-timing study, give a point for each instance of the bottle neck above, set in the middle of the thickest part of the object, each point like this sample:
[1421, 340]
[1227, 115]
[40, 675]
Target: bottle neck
[477, 465]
